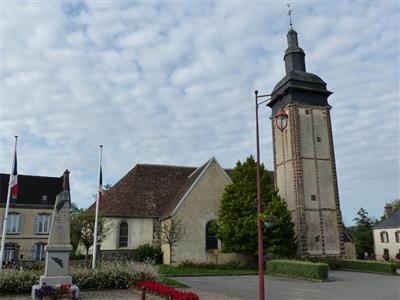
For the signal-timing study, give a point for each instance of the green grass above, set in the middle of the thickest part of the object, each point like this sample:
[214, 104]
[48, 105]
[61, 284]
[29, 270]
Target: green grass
[197, 271]
[173, 283]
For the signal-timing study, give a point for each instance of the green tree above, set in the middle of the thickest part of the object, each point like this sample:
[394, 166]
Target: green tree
[362, 233]
[237, 224]
[396, 205]
[74, 213]
[83, 225]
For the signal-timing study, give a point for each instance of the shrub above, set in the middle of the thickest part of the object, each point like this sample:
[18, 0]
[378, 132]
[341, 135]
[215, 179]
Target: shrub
[296, 268]
[367, 266]
[332, 262]
[166, 291]
[116, 274]
[14, 281]
[146, 253]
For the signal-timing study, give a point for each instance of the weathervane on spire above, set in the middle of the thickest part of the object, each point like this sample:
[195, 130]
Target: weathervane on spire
[290, 15]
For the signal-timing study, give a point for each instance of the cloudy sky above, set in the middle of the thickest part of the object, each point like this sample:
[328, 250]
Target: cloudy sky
[173, 82]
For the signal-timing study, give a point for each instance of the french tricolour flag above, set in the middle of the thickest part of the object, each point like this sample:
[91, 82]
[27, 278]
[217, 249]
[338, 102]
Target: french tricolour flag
[14, 178]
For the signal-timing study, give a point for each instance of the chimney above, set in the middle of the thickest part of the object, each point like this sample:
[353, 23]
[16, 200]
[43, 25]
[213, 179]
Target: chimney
[388, 210]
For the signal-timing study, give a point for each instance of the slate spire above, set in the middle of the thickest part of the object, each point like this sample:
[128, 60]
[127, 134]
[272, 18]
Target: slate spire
[294, 55]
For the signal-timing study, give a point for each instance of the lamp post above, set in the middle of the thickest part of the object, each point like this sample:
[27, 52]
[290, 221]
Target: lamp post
[261, 290]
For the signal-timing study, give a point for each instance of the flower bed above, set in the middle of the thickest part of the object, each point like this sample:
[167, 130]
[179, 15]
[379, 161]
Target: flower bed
[55, 292]
[165, 291]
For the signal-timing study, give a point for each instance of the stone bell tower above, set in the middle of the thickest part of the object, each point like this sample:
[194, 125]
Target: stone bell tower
[304, 159]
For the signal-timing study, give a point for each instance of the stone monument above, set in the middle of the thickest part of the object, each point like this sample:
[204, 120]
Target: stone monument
[59, 246]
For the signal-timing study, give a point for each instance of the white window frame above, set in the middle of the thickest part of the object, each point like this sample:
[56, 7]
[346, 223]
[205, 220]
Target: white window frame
[42, 223]
[13, 221]
[9, 251]
[384, 237]
[39, 246]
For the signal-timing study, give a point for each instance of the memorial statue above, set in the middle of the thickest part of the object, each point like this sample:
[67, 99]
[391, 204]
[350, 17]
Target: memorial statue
[58, 247]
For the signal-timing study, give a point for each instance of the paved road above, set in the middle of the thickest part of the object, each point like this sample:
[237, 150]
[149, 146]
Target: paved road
[344, 286]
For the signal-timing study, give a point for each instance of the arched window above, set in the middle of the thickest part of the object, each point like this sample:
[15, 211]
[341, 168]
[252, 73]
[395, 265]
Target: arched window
[384, 237]
[123, 235]
[211, 239]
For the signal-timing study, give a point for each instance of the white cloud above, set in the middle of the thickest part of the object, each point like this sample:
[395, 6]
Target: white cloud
[173, 83]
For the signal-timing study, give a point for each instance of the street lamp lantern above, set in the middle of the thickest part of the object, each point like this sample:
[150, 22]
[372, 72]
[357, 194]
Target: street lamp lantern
[281, 118]
[269, 221]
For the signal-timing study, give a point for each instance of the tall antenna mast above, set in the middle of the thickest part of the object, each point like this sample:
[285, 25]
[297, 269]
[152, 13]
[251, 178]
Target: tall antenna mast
[290, 15]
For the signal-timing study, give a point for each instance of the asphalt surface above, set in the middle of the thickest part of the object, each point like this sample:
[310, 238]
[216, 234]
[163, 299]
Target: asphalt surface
[343, 286]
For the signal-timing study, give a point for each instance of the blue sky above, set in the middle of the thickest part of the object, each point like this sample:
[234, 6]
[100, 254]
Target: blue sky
[173, 82]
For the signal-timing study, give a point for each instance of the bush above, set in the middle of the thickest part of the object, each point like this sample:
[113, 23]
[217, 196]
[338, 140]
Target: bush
[14, 281]
[296, 268]
[332, 262]
[148, 253]
[116, 274]
[367, 266]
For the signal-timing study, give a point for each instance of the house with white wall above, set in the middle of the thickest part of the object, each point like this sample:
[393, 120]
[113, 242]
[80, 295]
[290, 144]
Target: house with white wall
[387, 235]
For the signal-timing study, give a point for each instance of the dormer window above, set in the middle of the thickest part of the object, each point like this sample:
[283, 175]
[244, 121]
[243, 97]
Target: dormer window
[44, 198]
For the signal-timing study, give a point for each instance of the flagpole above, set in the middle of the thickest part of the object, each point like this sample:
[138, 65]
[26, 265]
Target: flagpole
[3, 236]
[97, 212]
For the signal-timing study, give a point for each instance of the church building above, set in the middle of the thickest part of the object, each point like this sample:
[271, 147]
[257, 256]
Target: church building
[140, 203]
[304, 159]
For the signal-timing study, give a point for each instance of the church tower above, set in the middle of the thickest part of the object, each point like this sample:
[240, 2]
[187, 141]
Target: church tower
[304, 159]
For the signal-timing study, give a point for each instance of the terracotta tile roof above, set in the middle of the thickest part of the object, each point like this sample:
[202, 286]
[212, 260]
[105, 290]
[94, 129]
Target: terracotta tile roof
[148, 191]
[145, 191]
[31, 190]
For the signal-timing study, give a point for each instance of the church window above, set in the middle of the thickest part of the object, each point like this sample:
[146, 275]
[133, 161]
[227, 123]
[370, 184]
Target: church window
[313, 198]
[397, 236]
[123, 235]
[211, 239]
[384, 237]
[318, 139]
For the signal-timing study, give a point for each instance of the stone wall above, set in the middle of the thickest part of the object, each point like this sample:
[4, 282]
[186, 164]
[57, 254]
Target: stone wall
[140, 232]
[26, 238]
[201, 206]
[393, 246]
[305, 175]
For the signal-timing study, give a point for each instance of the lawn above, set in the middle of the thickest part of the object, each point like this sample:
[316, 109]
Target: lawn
[199, 271]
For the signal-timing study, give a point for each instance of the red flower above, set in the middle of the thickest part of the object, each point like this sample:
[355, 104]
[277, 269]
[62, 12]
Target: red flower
[166, 291]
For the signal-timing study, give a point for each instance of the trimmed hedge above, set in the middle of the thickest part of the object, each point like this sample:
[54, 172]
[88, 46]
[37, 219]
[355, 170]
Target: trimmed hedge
[367, 266]
[295, 268]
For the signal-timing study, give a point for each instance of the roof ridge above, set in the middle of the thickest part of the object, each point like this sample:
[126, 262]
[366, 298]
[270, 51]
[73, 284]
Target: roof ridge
[25, 175]
[166, 165]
